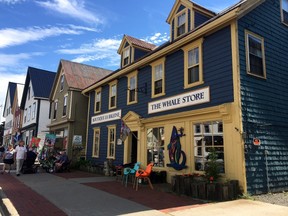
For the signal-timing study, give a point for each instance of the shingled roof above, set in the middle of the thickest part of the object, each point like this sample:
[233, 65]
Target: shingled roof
[42, 82]
[140, 43]
[80, 76]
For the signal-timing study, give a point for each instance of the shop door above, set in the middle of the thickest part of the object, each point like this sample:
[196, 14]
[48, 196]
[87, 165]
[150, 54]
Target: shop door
[134, 146]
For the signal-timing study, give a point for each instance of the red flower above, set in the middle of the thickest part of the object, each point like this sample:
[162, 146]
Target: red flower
[211, 179]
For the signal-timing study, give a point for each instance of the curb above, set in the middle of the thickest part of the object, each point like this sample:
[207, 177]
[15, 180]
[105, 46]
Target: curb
[6, 206]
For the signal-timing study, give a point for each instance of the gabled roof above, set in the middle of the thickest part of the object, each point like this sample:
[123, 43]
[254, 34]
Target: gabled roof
[135, 43]
[78, 76]
[42, 81]
[11, 89]
[188, 4]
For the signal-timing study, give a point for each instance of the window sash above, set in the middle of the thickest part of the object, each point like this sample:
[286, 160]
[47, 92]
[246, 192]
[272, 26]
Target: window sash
[155, 146]
[33, 110]
[209, 135]
[193, 66]
[98, 101]
[96, 142]
[111, 142]
[181, 24]
[255, 56]
[113, 93]
[65, 106]
[62, 82]
[132, 89]
[55, 110]
[158, 79]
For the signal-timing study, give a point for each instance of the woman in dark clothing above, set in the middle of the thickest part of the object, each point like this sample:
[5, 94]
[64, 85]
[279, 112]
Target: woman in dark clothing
[8, 158]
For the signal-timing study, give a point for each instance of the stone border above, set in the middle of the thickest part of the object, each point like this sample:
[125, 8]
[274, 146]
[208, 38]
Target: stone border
[6, 205]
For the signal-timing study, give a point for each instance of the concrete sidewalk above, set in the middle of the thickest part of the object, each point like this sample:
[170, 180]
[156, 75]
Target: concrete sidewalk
[48, 194]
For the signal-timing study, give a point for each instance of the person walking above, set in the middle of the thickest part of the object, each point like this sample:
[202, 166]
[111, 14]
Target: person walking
[8, 158]
[20, 156]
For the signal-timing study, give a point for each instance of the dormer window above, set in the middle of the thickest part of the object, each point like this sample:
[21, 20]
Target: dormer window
[126, 56]
[181, 24]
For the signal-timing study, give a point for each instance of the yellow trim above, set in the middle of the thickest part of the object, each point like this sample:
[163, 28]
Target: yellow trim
[94, 144]
[111, 127]
[238, 142]
[111, 84]
[186, 49]
[217, 23]
[100, 102]
[247, 33]
[129, 76]
[153, 65]
[87, 126]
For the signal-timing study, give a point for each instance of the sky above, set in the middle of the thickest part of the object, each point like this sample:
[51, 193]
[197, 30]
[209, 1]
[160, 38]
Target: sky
[39, 33]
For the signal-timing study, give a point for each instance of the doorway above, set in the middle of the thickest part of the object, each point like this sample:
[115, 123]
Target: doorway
[134, 146]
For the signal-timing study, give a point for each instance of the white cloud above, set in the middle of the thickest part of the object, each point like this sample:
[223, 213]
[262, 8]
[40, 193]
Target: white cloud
[10, 36]
[157, 38]
[10, 60]
[11, 1]
[72, 8]
[100, 49]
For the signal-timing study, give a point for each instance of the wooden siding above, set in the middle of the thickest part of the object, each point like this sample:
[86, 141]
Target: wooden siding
[138, 53]
[265, 102]
[199, 18]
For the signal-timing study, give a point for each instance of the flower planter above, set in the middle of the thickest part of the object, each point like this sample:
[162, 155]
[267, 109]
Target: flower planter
[211, 191]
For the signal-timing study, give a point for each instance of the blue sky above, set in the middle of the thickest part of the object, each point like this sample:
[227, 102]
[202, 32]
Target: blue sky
[38, 33]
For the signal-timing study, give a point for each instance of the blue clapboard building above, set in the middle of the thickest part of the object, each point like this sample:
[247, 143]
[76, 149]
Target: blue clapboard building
[220, 82]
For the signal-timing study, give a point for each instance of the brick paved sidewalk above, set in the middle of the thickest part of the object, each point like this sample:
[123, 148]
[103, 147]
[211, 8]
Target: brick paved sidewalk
[25, 200]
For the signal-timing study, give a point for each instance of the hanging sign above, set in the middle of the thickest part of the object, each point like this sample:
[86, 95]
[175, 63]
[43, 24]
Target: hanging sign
[256, 141]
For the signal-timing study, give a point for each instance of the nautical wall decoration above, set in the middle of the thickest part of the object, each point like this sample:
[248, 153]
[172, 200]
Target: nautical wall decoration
[175, 152]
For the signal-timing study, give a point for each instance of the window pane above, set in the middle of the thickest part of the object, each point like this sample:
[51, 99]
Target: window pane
[113, 99]
[158, 87]
[255, 56]
[133, 82]
[193, 74]
[155, 146]
[212, 138]
[132, 95]
[96, 142]
[158, 72]
[193, 57]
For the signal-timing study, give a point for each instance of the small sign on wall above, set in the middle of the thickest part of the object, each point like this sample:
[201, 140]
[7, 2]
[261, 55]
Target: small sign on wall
[256, 141]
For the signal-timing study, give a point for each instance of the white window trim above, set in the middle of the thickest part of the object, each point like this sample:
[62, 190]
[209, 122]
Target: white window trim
[198, 43]
[111, 127]
[153, 65]
[247, 33]
[61, 77]
[55, 104]
[65, 96]
[129, 76]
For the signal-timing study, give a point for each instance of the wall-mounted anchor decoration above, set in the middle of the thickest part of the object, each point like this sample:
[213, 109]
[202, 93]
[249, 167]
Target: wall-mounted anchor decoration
[175, 152]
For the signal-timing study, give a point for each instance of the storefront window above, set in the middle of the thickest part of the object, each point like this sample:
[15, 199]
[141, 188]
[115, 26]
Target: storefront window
[208, 135]
[155, 146]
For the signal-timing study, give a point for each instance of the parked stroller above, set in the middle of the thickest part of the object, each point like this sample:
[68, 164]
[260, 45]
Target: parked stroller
[29, 165]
